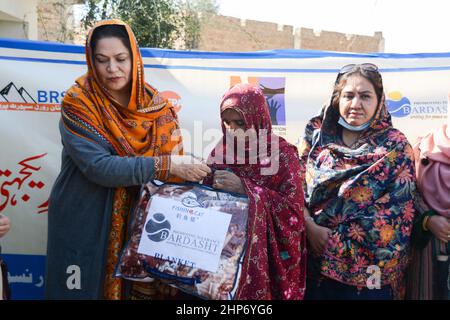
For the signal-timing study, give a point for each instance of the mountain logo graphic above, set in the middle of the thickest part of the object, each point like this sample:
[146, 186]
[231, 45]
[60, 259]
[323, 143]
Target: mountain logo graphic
[10, 93]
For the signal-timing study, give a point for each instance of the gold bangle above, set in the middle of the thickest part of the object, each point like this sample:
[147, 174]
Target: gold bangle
[424, 223]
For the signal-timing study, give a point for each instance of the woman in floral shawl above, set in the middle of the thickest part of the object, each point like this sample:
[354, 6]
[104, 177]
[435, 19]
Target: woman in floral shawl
[267, 169]
[360, 184]
[117, 133]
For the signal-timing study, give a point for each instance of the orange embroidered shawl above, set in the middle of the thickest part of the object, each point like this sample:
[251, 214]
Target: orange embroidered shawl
[146, 127]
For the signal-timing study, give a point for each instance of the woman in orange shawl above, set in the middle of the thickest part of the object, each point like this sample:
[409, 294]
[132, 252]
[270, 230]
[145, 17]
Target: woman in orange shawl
[5, 292]
[117, 133]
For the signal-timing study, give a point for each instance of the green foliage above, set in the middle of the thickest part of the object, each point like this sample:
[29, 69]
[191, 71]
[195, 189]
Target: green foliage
[98, 10]
[195, 13]
[156, 23]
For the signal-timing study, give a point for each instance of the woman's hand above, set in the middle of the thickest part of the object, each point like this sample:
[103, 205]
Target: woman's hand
[317, 235]
[166, 290]
[440, 227]
[228, 181]
[188, 168]
[4, 225]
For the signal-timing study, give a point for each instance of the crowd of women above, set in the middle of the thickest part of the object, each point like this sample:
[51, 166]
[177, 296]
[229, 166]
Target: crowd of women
[355, 213]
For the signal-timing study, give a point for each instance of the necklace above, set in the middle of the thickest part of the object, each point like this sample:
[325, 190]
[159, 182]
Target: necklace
[352, 137]
[152, 108]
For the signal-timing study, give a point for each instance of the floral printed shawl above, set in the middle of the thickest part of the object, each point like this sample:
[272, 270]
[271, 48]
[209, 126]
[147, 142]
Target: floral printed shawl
[274, 266]
[364, 195]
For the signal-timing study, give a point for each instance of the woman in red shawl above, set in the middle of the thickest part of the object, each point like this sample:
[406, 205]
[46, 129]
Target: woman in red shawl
[251, 160]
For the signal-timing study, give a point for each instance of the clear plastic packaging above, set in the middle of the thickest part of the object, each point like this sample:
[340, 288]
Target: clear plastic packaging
[219, 285]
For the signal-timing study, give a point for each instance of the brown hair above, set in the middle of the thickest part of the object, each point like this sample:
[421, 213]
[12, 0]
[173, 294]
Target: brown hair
[374, 77]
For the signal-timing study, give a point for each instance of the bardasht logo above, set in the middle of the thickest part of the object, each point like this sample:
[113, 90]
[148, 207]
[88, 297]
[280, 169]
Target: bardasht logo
[398, 105]
[158, 228]
[14, 98]
[430, 108]
[174, 98]
[273, 89]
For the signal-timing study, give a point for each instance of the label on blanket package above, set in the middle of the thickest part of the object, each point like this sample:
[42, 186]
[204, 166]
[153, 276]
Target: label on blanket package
[184, 233]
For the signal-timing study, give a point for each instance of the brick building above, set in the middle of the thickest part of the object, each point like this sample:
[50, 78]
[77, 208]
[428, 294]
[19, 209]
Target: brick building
[222, 33]
[53, 20]
[56, 20]
[334, 41]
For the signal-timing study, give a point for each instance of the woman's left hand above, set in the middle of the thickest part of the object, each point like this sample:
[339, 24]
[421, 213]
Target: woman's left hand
[166, 290]
[228, 181]
[440, 227]
[5, 225]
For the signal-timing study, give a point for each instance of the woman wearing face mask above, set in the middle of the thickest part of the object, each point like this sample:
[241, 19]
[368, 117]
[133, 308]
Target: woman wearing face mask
[359, 192]
[251, 160]
[117, 134]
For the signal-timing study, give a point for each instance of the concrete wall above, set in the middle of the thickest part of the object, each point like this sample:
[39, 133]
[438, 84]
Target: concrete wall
[18, 19]
[12, 29]
[49, 20]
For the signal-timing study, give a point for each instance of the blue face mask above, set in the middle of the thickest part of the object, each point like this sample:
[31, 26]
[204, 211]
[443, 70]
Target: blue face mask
[347, 126]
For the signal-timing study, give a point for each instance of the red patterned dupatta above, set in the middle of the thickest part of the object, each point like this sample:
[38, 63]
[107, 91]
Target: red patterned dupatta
[274, 265]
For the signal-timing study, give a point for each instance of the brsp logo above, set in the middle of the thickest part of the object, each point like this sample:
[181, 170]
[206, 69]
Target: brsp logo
[398, 105]
[174, 98]
[158, 228]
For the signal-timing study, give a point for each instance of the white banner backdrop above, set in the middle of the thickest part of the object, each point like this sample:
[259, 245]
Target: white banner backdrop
[35, 75]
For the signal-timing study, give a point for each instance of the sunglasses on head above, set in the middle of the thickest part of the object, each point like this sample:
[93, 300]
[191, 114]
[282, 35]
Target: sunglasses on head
[350, 67]
[362, 66]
